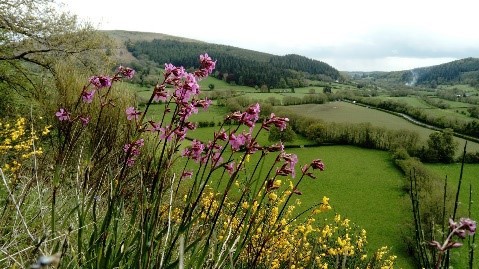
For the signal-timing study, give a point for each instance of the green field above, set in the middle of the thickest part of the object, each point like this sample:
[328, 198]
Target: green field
[470, 180]
[350, 113]
[368, 192]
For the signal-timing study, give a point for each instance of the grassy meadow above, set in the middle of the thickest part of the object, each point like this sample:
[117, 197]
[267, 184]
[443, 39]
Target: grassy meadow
[365, 192]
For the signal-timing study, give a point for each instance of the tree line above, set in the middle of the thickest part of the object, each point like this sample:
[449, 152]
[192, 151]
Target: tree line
[237, 66]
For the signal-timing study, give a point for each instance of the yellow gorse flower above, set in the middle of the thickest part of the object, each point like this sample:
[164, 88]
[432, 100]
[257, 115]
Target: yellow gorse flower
[16, 144]
[285, 241]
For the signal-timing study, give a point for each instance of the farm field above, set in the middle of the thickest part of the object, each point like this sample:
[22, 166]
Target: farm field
[365, 192]
[350, 113]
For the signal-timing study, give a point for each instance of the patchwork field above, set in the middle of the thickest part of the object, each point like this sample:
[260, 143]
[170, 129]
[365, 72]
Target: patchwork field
[369, 192]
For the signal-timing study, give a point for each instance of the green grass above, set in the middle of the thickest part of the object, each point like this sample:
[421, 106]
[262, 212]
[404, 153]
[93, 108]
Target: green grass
[462, 87]
[470, 179]
[350, 113]
[369, 192]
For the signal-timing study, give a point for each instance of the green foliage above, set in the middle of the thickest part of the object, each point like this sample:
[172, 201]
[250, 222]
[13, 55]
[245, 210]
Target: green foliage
[286, 135]
[35, 37]
[441, 147]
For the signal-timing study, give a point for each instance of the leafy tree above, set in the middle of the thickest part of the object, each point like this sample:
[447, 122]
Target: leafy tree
[287, 135]
[211, 86]
[35, 38]
[282, 84]
[441, 147]
[327, 89]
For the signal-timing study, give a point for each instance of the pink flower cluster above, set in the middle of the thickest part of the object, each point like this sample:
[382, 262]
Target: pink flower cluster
[186, 87]
[280, 123]
[207, 65]
[195, 151]
[236, 141]
[466, 226]
[87, 95]
[132, 113]
[249, 117]
[202, 153]
[63, 115]
[288, 167]
[126, 72]
[315, 164]
[101, 81]
[133, 151]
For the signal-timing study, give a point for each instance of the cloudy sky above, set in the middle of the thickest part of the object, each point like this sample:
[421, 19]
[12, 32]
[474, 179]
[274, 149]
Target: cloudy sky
[350, 35]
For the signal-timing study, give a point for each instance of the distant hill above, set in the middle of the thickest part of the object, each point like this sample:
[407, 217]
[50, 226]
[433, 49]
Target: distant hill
[463, 71]
[149, 51]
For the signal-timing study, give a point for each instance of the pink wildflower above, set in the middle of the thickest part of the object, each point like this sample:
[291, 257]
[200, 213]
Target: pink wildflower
[221, 135]
[85, 120]
[126, 72]
[159, 93]
[133, 150]
[87, 96]
[290, 161]
[173, 74]
[180, 133]
[132, 113]
[100, 81]
[230, 167]
[251, 115]
[280, 123]
[186, 111]
[207, 65]
[165, 133]
[195, 151]
[317, 164]
[236, 141]
[63, 115]
[203, 103]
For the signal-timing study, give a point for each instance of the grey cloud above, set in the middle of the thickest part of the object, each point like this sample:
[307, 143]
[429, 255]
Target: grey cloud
[398, 44]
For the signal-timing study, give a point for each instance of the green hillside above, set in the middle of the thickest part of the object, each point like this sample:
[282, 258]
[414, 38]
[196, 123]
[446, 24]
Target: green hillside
[463, 71]
[234, 65]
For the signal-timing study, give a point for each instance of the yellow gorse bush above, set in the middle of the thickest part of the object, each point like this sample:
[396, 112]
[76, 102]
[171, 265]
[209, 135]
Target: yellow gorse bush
[286, 241]
[17, 143]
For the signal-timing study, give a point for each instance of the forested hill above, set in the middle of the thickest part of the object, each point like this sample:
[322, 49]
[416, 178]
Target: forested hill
[464, 71]
[235, 65]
